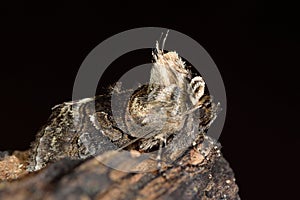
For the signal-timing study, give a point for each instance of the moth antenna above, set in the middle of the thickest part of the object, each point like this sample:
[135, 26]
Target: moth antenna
[160, 37]
[158, 42]
[157, 48]
[164, 41]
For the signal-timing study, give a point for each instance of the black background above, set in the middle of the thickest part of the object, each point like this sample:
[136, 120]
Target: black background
[255, 46]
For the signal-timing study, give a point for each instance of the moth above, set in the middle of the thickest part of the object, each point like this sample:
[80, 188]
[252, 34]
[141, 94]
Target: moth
[168, 108]
[169, 114]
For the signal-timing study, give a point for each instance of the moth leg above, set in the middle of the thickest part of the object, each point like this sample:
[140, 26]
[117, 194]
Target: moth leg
[162, 140]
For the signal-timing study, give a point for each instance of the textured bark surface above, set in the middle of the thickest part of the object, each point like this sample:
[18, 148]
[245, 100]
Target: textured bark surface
[89, 179]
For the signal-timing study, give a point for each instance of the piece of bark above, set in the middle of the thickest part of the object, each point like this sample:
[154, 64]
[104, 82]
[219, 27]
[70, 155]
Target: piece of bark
[11, 167]
[90, 179]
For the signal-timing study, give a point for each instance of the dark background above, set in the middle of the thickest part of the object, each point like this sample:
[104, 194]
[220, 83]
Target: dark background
[255, 46]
